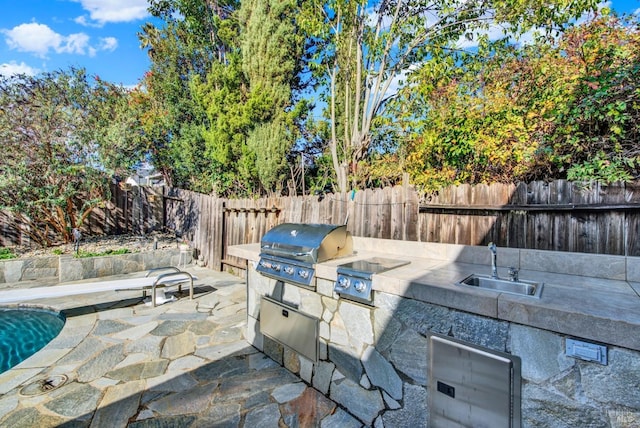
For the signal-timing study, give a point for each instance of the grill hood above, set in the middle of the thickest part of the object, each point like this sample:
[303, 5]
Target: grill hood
[307, 243]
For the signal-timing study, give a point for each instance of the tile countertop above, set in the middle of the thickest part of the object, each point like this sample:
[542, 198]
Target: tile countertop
[589, 307]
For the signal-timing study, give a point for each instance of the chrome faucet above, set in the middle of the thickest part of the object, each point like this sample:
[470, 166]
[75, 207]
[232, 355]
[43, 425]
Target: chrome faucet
[494, 259]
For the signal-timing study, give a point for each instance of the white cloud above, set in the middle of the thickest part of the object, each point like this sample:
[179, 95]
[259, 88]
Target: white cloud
[104, 11]
[82, 20]
[39, 39]
[34, 38]
[108, 44]
[74, 44]
[12, 68]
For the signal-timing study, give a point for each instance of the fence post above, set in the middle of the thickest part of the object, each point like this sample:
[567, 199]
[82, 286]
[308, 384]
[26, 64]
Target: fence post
[223, 235]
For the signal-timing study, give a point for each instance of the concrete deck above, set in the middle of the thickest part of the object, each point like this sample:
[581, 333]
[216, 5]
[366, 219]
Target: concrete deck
[182, 364]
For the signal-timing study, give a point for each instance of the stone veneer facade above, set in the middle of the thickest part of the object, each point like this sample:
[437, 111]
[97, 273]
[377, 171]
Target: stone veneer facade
[374, 360]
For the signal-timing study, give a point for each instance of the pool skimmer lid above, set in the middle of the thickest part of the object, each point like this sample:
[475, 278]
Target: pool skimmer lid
[44, 385]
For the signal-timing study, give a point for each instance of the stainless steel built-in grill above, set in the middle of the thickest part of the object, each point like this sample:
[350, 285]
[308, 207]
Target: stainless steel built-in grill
[289, 251]
[355, 278]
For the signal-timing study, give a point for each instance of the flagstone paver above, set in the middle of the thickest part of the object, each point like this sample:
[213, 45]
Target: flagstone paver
[120, 403]
[182, 364]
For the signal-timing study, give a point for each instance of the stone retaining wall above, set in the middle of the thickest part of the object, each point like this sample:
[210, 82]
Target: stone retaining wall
[67, 268]
[15, 270]
[374, 360]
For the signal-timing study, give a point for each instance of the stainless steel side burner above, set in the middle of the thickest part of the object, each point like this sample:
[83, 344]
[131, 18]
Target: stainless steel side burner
[355, 278]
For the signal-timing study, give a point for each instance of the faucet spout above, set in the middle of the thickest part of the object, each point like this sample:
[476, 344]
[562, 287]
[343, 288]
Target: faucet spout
[494, 259]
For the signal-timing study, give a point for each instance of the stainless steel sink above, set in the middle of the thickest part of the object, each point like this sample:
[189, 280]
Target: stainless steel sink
[522, 288]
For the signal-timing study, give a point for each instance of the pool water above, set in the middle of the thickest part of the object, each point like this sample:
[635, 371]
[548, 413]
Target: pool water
[23, 332]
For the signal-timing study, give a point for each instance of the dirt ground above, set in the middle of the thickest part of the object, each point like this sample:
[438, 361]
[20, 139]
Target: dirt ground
[99, 244]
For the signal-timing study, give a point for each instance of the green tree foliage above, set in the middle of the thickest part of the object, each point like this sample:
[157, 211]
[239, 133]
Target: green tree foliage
[114, 127]
[223, 96]
[220, 110]
[464, 121]
[272, 50]
[361, 49]
[597, 126]
[222, 85]
[195, 34]
[60, 133]
[566, 109]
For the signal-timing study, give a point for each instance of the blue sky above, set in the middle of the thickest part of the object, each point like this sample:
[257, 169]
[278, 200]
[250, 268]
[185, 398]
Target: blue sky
[99, 35]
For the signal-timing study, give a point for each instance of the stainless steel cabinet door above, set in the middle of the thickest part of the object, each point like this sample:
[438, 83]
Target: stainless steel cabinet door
[289, 327]
[470, 386]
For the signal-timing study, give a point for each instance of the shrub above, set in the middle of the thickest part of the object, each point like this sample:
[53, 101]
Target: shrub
[6, 253]
[82, 254]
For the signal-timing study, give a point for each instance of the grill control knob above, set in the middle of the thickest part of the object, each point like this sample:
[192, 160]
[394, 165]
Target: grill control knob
[304, 274]
[360, 286]
[288, 270]
[265, 264]
[343, 282]
[276, 268]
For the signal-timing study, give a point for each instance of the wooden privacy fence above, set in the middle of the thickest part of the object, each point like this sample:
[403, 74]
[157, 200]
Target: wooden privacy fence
[559, 216]
[131, 209]
[214, 224]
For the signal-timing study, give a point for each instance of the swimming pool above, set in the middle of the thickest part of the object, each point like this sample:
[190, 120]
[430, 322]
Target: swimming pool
[24, 331]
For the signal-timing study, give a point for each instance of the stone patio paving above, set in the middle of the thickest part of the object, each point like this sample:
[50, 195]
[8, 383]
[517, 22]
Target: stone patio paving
[182, 364]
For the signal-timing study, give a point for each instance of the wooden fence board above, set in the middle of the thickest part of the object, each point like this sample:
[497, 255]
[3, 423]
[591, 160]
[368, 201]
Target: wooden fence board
[560, 232]
[519, 195]
[515, 230]
[632, 192]
[437, 229]
[477, 195]
[541, 232]
[610, 232]
[538, 193]
[462, 229]
[560, 192]
[397, 213]
[382, 202]
[410, 212]
[447, 229]
[482, 227]
[632, 226]
[613, 193]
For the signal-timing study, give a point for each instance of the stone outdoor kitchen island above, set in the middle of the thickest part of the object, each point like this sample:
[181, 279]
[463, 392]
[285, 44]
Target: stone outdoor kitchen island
[373, 360]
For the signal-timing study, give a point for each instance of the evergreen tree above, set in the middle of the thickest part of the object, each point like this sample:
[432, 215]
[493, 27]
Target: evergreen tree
[271, 52]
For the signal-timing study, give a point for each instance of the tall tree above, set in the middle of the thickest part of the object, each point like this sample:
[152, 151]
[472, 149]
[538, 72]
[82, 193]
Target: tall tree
[223, 97]
[272, 51]
[363, 49]
[194, 34]
[250, 101]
